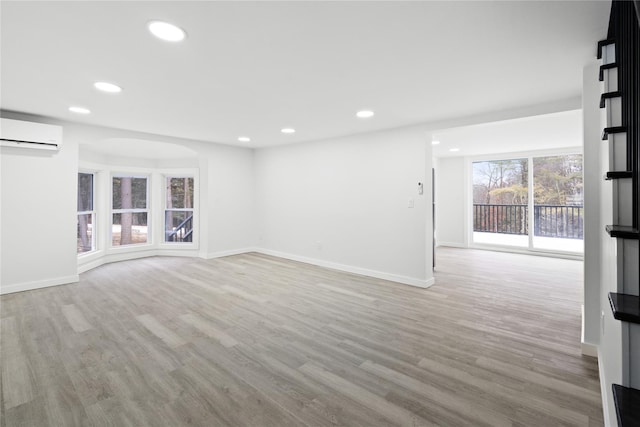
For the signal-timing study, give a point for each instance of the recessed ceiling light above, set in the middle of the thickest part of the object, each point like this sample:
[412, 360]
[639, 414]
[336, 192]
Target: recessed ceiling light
[165, 31]
[244, 139]
[435, 142]
[79, 110]
[453, 150]
[107, 87]
[288, 130]
[365, 114]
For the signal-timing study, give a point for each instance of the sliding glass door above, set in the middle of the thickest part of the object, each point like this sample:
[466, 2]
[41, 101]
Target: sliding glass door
[558, 211]
[529, 202]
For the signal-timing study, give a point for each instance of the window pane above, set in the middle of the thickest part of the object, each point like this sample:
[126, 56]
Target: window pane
[179, 193]
[85, 192]
[85, 233]
[558, 180]
[558, 202]
[178, 226]
[129, 193]
[129, 228]
[500, 182]
[500, 197]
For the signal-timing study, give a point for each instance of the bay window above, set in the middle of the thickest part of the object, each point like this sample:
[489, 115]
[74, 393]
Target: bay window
[86, 214]
[130, 212]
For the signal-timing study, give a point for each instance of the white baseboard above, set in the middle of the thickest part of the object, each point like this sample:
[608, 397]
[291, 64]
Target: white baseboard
[116, 257]
[231, 252]
[97, 262]
[586, 348]
[38, 284]
[527, 251]
[589, 349]
[605, 390]
[351, 269]
[451, 244]
[90, 265]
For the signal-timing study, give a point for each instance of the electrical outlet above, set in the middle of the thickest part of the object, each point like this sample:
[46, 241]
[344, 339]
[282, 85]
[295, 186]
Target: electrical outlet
[319, 245]
[410, 203]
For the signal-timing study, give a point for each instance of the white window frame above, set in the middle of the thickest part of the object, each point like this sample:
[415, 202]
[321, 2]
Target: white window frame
[92, 212]
[147, 210]
[192, 210]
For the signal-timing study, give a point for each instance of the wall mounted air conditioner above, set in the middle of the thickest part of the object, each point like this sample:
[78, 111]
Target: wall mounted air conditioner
[39, 136]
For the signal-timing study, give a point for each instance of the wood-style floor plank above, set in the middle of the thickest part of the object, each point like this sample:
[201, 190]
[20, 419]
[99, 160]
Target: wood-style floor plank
[16, 381]
[253, 340]
[161, 331]
[75, 318]
[209, 329]
[438, 396]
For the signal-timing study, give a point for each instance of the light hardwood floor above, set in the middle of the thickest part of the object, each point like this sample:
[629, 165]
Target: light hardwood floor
[252, 340]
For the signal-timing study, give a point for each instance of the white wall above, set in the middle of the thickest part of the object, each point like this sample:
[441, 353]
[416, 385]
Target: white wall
[451, 202]
[38, 221]
[349, 194]
[344, 203]
[230, 200]
[593, 232]
[42, 189]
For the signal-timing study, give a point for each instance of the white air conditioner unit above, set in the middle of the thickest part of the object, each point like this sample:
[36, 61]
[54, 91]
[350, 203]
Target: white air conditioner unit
[16, 133]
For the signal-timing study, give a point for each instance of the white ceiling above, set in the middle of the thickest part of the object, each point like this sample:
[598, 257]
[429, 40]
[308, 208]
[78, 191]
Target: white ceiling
[252, 68]
[543, 132]
[138, 149]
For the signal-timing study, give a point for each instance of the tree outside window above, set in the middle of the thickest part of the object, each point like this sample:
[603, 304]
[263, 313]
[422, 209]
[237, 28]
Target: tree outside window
[130, 211]
[558, 196]
[86, 214]
[500, 196]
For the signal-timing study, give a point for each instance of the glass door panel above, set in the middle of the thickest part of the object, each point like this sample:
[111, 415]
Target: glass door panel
[558, 208]
[500, 202]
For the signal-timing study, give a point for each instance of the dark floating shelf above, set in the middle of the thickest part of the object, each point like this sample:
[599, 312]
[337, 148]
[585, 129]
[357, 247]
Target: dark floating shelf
[614, 129]
[606, 67]
[603, 43]
[608, 95]
[618, 175]
[625, 307]
[622, 231]
[627, 402]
